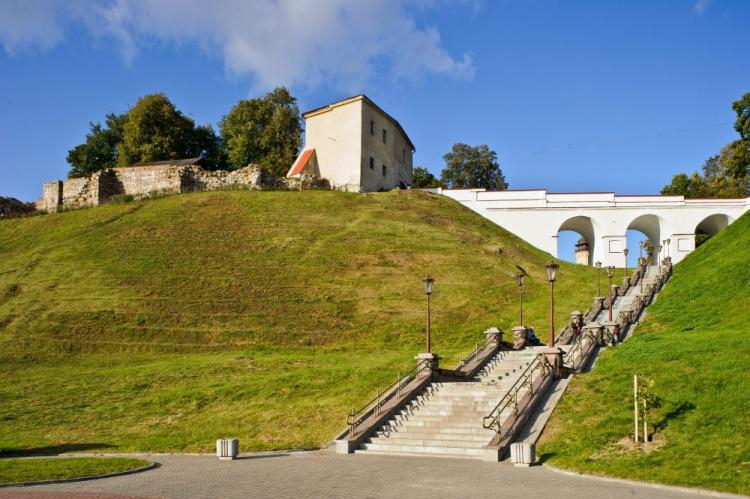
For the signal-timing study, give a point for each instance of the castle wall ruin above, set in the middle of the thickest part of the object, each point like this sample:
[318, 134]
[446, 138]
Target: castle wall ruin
[140, 182]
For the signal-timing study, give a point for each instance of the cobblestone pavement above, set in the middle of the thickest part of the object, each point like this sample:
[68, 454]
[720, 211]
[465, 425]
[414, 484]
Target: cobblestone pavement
[325, 474]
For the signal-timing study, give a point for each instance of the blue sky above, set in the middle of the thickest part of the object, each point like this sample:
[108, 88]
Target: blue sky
[572, 95]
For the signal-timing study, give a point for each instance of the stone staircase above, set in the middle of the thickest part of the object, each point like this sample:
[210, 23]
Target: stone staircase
[625, 301]
[446, 419]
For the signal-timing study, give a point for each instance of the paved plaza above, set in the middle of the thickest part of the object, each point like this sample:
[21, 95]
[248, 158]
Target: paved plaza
[325, 474]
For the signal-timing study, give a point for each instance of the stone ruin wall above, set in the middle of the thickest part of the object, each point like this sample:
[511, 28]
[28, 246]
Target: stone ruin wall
[144, 181]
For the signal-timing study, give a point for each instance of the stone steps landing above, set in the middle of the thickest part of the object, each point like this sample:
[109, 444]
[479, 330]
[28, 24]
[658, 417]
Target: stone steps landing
[446, 420]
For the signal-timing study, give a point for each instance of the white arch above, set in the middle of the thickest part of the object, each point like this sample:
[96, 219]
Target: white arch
[712, 224]
[652, 226]
[536, 216]
[585, 227]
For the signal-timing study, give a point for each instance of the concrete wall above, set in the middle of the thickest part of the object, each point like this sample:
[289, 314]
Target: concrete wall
[395, 154]
[335, 133]
[603, 219]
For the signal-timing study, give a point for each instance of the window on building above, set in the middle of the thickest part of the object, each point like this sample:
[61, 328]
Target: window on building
[372, 127]
[403, 155]
[385, 170]
[385, 136]
[372, 163]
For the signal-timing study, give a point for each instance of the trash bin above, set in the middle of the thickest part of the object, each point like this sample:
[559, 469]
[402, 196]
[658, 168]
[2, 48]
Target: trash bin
[522, 454]
[227, 448]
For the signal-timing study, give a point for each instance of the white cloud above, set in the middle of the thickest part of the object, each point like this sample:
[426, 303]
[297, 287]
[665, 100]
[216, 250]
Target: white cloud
[290, 42]
[700, 6]
[29, 23]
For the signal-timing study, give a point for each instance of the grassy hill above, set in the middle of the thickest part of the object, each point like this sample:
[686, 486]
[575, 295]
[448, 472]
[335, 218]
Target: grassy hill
[695, 346]
[162, 325]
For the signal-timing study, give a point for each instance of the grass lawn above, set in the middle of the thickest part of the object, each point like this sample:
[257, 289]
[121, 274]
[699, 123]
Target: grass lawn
[165, 324]
[52, 468]
[695, 346]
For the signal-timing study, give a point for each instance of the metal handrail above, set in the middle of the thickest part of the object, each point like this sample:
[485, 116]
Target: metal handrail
[577, 346]
[491, 420]
[356, 417]
[477, 350]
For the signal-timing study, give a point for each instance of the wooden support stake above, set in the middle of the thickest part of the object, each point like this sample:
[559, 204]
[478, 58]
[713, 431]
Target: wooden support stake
[635, 405]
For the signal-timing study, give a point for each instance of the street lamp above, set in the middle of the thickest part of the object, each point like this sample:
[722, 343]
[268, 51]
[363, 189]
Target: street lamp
[669, 242]
[519, 277]
[428, 283]
[625, 272]
[610, 274]
[640, 256]
[551, 276]
[598, 266]
[658, 262]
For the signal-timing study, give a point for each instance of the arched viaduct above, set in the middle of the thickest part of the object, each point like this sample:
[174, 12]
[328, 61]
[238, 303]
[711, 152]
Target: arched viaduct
[602, 218]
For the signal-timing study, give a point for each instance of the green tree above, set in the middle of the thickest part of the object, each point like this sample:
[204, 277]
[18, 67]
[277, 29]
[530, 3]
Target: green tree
[422, 178]
[155, 130]
[266, 131]
[472, 167]
[679, 186]
[100, 149]
[726, 175]
[742, 123]
[206, 144]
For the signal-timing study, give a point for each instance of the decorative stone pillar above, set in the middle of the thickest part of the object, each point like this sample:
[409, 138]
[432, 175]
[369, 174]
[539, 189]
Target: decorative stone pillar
[553, 356]
[432, 360]
[625, 286]
[613, 292]
[594, 329]
[519, 337]
[494, 335]
[613, 332]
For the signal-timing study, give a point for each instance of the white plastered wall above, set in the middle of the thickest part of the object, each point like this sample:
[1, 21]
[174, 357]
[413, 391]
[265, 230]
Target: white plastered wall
[335, 134]
[536, 217]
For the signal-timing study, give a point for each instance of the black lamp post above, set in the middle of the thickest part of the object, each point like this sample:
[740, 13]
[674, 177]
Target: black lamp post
[428, 283]
[625, 272]
[551, 276]
[519, 278]
[610, 274]
[598, 266]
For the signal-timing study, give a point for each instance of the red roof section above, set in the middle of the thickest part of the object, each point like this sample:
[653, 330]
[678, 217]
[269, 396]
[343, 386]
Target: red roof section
[300, 162]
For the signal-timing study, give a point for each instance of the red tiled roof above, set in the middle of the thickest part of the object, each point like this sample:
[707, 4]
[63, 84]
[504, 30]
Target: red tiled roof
[300, 162]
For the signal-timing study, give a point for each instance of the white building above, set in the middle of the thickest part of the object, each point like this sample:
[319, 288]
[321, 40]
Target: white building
[355, 146]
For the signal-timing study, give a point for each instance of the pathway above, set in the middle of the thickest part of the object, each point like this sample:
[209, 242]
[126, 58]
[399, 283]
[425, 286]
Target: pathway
[329, 475]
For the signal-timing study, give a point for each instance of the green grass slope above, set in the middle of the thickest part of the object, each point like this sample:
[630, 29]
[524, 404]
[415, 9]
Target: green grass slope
[162, 325]
[695, 346]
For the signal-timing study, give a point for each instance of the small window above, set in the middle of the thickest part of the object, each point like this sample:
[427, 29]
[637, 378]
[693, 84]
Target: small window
[403, 155]
[385, 136]
[385, 170]
[372, 127]
[372, 163]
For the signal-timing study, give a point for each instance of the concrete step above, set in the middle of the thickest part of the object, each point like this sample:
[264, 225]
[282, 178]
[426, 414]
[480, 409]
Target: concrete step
[443, 430]
[421, 442]
[434, 436]
[438, 423]
[411, 454]
[470, 414]
[425, 449]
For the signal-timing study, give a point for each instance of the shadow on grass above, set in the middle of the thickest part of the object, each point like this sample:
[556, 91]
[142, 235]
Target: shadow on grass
[676, 412]
[543, 457]
[53, 450]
